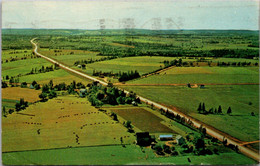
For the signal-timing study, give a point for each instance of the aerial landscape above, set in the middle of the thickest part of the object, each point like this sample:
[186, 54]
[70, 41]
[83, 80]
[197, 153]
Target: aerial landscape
[127, 82]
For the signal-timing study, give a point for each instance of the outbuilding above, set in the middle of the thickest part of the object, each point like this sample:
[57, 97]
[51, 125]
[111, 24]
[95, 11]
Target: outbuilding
[165, 137]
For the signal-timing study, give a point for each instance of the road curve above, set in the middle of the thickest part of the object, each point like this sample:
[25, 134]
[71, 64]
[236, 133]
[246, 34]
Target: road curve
[210, 130]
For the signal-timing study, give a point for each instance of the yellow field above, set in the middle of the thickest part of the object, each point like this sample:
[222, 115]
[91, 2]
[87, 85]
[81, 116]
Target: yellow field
[15, 93]
[66, 121]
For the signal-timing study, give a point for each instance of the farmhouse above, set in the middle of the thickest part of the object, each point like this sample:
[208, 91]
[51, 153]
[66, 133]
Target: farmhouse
[165, 137]
[180, 140]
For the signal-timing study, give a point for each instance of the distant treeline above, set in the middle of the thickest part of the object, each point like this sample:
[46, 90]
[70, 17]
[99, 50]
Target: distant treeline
[90, 60]
[122, 76]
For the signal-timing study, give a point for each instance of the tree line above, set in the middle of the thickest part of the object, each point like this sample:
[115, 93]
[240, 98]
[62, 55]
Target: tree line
[99, 95]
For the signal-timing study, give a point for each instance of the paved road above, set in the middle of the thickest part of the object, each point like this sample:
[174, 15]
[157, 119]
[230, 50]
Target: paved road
[210, 130]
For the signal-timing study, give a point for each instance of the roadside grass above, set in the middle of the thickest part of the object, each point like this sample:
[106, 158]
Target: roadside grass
[116, 155]
[237, 97]
[69, 122]
[184, 75]
[11, 94]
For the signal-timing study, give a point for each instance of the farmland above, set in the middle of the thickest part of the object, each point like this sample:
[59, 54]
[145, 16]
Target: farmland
[237, 97]
[53, 124]
[70, 115]
[203, 75]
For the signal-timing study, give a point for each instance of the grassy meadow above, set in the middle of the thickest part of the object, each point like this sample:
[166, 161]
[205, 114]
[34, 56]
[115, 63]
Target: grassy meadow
[202, 75]
[238, 97]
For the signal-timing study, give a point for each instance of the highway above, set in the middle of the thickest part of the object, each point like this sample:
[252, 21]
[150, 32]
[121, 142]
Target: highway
[210, 130]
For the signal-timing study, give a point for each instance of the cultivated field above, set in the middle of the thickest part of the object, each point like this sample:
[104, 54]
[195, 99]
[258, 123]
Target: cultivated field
[143, 120]
[238, 97]
[15, 93]
[203, 75]
[70, 122]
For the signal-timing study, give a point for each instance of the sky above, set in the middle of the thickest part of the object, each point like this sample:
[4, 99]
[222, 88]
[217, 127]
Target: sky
[140, 14]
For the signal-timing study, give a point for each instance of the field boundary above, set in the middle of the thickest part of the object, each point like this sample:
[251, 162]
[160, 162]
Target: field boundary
[67, 148]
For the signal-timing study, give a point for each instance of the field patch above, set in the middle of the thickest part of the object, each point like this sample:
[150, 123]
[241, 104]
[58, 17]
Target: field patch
[243, 99]
[200, 75]
[15, 93]
[62, 122]
[143, 120]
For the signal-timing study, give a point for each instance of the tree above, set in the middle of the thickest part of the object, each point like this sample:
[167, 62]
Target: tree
[51, 84]
[199, 143]
[4, 84]
[229, 111]
[52, 94]
[199, 108]
[34, 83]
[114, 116]
[158, 149]
[203, 108]
[252, 114]
[43, 96]
[7, 77]
[219, 109]
[4, 111]
[37, 87]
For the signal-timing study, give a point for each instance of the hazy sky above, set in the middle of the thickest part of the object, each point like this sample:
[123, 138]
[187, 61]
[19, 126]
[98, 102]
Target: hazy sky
[164, 14]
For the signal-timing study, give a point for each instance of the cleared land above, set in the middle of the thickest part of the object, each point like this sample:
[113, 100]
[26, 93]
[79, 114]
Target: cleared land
[115, 155]
[69, 122]
[143, 64]
[143, 120]
[15, 93]
[237, 97]
[184, 75]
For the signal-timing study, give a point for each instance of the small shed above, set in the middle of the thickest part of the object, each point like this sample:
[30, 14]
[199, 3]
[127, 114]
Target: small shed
[165, 137]
[31, 86]
[79, 66]
[180, 140]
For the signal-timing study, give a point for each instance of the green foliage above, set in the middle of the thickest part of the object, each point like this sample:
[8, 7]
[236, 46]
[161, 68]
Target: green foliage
[21, 105]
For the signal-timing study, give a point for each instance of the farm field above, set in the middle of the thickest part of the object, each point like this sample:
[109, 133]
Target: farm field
[142, 64]
[15, 93]
[201, 75]
[66, 56]
[237, 97]
[143, 120]
[70, 122]
[115, 155]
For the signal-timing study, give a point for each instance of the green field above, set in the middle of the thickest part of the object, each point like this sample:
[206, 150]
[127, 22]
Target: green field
[235, 96]
[196, 75]
[115, 155]
[59, 126]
